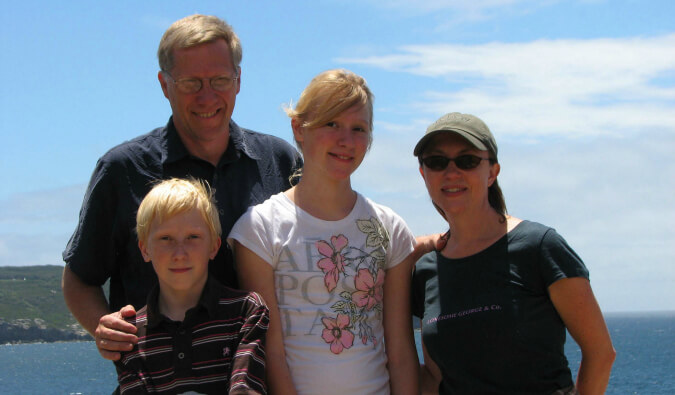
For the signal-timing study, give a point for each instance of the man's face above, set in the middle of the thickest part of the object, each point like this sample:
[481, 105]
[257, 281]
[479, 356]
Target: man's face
[203, 117]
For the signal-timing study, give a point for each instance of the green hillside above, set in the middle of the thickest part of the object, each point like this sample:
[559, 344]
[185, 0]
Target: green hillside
[31, 301]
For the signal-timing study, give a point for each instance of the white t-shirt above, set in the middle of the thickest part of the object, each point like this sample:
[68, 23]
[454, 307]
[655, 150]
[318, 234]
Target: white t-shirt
[328, 280]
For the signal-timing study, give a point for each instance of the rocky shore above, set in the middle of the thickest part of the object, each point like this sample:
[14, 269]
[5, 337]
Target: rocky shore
[35, 331]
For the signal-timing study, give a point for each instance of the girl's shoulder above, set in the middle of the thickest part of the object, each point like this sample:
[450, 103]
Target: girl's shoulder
[384, 213]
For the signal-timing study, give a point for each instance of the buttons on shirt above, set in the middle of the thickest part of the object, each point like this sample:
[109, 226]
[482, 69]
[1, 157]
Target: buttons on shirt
[181, 355]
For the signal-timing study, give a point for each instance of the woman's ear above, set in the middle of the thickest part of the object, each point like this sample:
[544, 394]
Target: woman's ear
[494, 172]
[422, 173]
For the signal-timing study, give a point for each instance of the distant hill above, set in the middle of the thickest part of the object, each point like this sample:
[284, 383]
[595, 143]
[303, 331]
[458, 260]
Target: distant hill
[32, 308]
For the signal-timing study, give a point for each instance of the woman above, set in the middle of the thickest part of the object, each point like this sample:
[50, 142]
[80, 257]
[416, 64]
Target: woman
[332, 265]
[496, 299]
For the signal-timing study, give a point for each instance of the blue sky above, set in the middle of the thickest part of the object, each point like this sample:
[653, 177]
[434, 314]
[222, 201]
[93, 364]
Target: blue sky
[579, 94]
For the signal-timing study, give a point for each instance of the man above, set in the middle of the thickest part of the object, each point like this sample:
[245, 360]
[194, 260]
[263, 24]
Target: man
[199, 58]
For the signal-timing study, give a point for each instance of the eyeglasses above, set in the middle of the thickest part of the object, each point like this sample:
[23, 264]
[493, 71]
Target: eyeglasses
[463, 162]
[193, 85]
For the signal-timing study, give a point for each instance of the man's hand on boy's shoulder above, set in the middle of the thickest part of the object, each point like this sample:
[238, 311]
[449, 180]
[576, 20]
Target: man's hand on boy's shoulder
[114, 335]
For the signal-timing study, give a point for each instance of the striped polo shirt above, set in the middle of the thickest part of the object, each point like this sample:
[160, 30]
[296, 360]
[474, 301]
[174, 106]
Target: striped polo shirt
[217, 348]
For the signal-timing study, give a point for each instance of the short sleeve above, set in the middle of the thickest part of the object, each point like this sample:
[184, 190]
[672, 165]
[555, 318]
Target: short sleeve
[248, 365]
[420, 275]
[558, 260]
[253, 231]
[91, 251]
[132, 374]
[417, 296]
[401, 240]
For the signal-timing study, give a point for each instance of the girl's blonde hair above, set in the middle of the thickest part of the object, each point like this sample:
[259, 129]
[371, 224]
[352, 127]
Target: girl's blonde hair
[329, 94]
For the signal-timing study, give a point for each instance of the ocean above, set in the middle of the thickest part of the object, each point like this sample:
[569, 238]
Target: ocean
[645, 363]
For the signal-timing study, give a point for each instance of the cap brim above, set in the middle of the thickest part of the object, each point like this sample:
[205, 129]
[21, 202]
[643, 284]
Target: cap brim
[463, 133]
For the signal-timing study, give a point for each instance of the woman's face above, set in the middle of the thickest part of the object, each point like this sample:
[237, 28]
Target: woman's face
[453, 189]
[336, 149]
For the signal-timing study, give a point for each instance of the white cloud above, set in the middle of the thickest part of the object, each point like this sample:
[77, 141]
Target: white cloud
[611, 198]
[35, 226]
[58, 204]
[461, 11]
[32, 249]
[586, 130]
[547, 87]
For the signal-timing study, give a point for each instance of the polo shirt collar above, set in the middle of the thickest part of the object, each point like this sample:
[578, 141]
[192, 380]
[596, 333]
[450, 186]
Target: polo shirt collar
[174, 149]
[208, 301]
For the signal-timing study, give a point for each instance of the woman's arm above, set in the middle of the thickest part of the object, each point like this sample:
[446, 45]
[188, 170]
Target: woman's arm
[257, 275]
[428, 243]
[398, 333]
[430, 374]
[576, 304]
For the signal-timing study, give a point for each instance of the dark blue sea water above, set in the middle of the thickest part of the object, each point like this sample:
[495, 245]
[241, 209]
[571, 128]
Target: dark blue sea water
[645, 363]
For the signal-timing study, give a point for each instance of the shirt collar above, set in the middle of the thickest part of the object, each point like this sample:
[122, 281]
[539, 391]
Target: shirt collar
[174, 149]
[208, 301]
[154, 316]
[240, 141]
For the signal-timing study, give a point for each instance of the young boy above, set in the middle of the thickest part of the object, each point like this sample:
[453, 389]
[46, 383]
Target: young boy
[194, 334]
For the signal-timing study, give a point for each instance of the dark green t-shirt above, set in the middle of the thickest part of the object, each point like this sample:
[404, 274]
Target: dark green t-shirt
[487, 319]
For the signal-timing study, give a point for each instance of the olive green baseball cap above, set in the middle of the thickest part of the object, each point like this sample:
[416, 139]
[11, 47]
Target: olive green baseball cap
[468, 126]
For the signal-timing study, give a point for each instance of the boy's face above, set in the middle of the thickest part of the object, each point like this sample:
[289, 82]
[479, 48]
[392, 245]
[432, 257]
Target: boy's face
[180, 249]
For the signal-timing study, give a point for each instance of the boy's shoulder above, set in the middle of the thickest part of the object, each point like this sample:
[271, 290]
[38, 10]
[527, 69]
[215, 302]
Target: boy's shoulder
[139, 320]
[227, 296]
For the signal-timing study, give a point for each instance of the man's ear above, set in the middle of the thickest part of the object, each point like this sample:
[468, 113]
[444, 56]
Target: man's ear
[163, 84]
[239, 80]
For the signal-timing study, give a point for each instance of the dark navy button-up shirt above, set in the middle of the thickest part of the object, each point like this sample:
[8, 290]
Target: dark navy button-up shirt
[104, 246]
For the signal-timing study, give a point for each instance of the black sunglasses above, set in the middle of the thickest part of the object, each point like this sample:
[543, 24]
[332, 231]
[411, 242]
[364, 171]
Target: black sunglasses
[463, 162]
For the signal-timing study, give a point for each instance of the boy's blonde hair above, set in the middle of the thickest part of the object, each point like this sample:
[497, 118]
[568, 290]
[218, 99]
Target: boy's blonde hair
[176, 196]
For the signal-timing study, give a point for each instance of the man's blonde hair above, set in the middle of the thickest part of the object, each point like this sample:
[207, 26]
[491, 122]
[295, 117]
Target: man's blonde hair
[194, 30]
[176, 196]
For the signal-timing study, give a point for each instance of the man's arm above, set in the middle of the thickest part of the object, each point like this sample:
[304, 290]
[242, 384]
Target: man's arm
[89, 307]
[430, 374]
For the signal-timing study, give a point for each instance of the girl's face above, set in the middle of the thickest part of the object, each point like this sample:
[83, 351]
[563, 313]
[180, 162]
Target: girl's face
[453, 189]
[334, 150]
